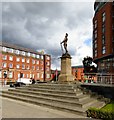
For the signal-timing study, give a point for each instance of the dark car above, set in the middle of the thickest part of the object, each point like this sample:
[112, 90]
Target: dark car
[17, 84]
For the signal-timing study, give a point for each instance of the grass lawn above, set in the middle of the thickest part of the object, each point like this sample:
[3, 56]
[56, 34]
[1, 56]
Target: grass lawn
[109, 107]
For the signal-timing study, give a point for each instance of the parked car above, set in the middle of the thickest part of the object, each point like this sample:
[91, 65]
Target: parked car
[17, 84]
[25, 80]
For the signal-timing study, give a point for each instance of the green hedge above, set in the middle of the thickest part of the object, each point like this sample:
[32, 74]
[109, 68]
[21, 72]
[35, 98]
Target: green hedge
[100, 114]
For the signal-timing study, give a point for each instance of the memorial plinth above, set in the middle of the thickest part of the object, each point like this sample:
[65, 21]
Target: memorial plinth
[66, 74]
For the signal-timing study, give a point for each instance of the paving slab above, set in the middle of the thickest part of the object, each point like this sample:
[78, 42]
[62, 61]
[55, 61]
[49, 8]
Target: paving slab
[18, 109]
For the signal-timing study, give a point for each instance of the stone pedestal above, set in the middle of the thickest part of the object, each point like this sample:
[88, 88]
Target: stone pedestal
[66, 74]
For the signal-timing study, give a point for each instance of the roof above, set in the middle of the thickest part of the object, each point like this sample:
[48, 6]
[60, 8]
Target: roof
[79, 66]
[9, 45]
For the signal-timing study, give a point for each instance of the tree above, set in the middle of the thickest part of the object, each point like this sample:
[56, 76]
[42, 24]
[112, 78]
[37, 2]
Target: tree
[88, 65]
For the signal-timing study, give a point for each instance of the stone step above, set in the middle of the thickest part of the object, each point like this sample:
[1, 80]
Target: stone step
[77, 93]
[53, 84]
[52, 104]
[56, 86]
[53, 87]
[74, 97]
[73, 102]
[80, 98]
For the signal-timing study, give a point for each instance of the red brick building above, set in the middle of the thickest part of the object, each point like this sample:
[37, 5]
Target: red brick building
[77, 72]
[16, 60]
[103, 36]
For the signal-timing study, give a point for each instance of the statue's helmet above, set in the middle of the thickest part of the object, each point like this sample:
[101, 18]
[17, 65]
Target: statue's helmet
[66, 34]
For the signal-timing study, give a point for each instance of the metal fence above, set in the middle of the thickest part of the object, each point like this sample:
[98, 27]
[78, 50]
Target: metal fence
[101, 78]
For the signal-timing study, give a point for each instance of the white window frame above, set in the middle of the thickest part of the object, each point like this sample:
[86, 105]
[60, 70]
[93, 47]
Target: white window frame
[4, 65]
[4, 49]
[48, 75]
[37, 56]
[4, 57]
[33, 61]
[28, 60]
[11, 65]
[23, 66]
[17, 52]
[23, 53]
[42, 75]
[17, 59]
[42, 57]
[11, 58]
[33, 55]
[10, 74]
[37, 62]
[17, 66]
[23, 60]
[28, 54]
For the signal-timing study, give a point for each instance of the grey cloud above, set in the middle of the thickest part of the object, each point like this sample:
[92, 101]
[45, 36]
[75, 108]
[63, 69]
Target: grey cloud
[34, 24]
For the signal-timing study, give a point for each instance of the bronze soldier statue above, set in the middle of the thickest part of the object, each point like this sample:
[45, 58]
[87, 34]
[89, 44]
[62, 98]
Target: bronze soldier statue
[65, 43]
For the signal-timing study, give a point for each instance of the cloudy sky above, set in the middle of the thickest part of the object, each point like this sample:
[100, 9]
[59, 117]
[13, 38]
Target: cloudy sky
[42, 26]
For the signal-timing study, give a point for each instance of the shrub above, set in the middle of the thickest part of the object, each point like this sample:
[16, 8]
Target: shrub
[100, 114]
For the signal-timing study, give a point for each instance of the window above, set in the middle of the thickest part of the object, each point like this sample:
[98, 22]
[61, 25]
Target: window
[33, 55]
[4, 49]
[10, 50]
[18, 66]
[33, 67]
[28, 54]
[37, 62]
[95, 53]
[27, 60]
[37, 67]
[103, 28]
[4, 57]
[95, 34]
[23, 53]
[103, 17]
[103, 50]
[95, 24]
[48, 58]
[47, 68]
[23, 59]
[38, 75]
[41, 56]
[48, 63]
[42, 75]
[17, 59]
[41, 62]
[10, 74]
[23, 66]
[103, 40]
[41, 68]
[95, 44]
[4, 65]
[17, 52]
[28, 67]
[11, 58]
[18, 75]
[37, 56]
[47, 75]
[10, 65]
[33, 61]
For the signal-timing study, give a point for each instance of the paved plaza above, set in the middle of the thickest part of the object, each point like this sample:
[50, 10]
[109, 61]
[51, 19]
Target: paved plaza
[17, 109]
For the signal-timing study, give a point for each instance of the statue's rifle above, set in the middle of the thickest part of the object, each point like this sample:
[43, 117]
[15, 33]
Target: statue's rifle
[62, 48]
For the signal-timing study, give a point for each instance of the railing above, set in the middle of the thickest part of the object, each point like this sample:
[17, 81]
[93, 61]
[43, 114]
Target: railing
[100, 78]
